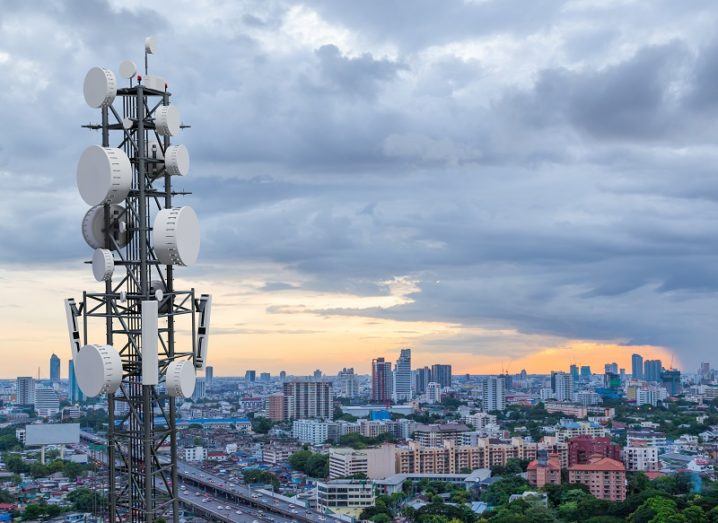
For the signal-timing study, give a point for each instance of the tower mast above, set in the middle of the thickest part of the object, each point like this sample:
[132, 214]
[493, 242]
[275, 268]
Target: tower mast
[143, 366]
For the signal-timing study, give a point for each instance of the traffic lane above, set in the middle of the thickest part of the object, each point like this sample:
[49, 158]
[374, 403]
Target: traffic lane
[272, 503]
[235, 512]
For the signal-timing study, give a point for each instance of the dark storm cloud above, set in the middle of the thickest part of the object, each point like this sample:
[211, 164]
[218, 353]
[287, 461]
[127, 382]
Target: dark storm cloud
[543, 166]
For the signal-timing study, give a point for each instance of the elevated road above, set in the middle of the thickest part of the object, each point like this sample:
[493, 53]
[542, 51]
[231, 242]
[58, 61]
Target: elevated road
[214, 497]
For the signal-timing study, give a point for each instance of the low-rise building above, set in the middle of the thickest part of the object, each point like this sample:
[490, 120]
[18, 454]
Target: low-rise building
[374, 463]
[569, 409]
[643, 458]
[195, 454]
[645, 437]
[344, 495]
[314, 432]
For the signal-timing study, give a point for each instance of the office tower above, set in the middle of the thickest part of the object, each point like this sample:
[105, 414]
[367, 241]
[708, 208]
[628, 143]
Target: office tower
[652, 370]
[74, 392]
[705, 370]
[283, 375]
[54, 368]
[585, 373]
[422, 377]
[573, 370]
[562, 385]
[672, 381]
[441, 374]
[347, 386]
[308, 400]
[612, 381]
[46, 401]
[200, 389]
[209, 375]
[402, 376]
[381, 380]
[25, 394]
[637, 366]
[250, 375]
[610, 368]
[265, 376]
[317, 374]
[494, 394]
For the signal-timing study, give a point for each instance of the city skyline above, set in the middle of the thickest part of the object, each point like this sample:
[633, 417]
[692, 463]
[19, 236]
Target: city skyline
[413, 366]
[381, 186]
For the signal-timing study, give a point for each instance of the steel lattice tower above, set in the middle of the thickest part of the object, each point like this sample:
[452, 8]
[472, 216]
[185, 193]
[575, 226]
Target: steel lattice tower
[139, 308]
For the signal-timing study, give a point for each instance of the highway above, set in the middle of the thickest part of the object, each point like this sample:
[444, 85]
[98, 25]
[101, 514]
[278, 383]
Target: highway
[222, 500]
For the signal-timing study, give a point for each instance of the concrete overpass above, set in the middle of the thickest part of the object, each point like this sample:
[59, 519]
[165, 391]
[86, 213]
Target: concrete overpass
[213, 496]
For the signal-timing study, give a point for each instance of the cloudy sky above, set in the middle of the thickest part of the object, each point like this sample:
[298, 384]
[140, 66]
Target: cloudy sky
[497, 184]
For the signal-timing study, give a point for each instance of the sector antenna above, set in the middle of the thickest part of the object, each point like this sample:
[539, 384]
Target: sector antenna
[136, 236]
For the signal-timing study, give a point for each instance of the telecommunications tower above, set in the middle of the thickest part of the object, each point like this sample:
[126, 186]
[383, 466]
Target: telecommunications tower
[141, 363]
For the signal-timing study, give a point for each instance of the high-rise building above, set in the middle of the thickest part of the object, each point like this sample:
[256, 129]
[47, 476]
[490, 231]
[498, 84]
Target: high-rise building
[25, 394]
[585, 372]
[422, 377]
[494, 394]
[672, 381]
[54, 368]
[652, 370]
[283, 375]
[441, 374]
[209, 375]
[573, 370]
[317, 374]
[276, 404]
[308, 400]
[637, 366]
[265, 376]
[200, 389]
[381, 380]
[250, 375]
[347, 386]
[562, 385]
[74, 392]
[610, 368]
[402, 376]
[46, 401]
[433, 392]
[705, 369]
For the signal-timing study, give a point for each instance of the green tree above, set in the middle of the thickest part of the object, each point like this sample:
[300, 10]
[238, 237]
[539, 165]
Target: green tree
[655, 510]
[261, 425]
[312, 464]
[498, 493]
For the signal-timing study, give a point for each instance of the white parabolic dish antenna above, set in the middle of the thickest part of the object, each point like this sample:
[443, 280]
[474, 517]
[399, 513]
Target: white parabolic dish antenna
[167, 120]
[104, 174]
[177, 160]
[175, 235]
[180, 378]
[100, 87]
[93, 226]
[128, 69]
[150, 45]
[98, 369]
[103, 264]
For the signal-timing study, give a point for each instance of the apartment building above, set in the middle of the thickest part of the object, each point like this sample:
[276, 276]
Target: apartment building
[643, 458]
[604, 477]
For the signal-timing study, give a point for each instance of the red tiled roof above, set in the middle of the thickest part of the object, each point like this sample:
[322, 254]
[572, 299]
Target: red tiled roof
[602, 464]
[553, 463]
